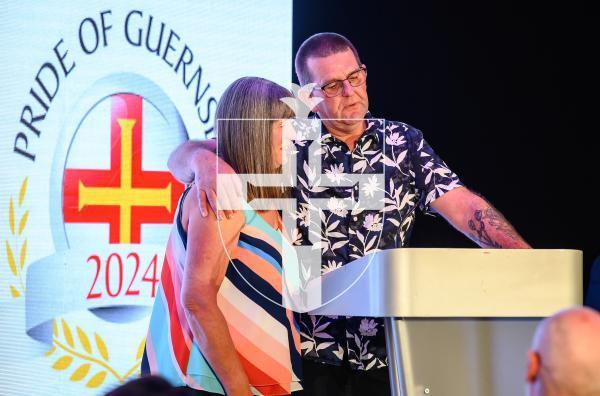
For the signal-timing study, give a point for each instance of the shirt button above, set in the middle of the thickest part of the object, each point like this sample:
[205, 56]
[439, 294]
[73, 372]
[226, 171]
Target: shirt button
[355, 218]
[354, 248]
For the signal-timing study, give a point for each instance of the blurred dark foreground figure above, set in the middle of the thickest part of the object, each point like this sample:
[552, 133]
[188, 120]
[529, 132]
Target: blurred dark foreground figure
[150, 386]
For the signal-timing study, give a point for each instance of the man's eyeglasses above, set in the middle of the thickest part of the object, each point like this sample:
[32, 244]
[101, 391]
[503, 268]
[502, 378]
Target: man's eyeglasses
[334, 88]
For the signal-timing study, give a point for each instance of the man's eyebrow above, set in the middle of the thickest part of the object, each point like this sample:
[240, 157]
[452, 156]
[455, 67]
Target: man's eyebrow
[338, 79]
[327, 82]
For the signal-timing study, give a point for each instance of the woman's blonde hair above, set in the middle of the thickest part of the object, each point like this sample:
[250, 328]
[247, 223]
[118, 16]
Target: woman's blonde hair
[245, 116]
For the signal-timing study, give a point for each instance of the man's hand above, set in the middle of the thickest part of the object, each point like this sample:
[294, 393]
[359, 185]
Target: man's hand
[219, 187]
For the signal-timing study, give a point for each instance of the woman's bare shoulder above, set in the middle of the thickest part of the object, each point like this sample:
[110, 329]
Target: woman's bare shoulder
[191, 212]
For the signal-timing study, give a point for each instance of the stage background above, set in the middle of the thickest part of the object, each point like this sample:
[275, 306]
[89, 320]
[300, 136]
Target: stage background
[76, 286]
[502, 91]
[498, 90]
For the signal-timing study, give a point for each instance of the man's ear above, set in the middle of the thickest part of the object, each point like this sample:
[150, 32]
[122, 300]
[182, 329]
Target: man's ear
[533, 366]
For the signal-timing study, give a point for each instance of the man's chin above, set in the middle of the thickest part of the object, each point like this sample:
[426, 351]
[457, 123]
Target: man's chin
[354, 116]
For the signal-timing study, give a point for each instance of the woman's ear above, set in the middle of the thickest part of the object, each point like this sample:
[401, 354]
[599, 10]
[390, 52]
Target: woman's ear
[533, 366]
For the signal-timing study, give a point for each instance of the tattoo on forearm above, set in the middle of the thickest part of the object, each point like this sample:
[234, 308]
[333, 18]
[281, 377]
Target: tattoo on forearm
[493, 219]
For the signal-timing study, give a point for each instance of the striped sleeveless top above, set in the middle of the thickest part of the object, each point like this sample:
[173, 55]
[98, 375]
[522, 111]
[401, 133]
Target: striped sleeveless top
[265, 334]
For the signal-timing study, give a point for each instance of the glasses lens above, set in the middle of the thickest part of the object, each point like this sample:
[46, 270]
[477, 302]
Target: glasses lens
[332, 89]
[356, 78]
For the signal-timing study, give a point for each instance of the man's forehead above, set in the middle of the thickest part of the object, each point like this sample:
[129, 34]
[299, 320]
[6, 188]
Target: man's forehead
[336, 66]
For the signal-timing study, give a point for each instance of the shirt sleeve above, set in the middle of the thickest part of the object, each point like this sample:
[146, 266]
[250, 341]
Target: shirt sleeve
[433, 178]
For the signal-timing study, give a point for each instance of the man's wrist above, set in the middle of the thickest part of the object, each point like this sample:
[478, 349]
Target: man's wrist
[197, 159]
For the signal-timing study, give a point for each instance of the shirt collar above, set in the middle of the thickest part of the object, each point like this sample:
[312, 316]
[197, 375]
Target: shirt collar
[373, 130]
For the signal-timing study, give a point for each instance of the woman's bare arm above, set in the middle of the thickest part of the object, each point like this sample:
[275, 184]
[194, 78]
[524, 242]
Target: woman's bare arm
[208, 242]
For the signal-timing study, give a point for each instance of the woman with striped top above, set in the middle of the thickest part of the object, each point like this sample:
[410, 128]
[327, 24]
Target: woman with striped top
[218, 323]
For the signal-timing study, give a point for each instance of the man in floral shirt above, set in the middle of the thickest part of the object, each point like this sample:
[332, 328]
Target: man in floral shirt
[414, 176]
[347, 355]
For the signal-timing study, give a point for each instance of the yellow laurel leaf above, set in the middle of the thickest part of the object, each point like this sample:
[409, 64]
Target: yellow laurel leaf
[81, 372]
[67, 333]
[23, 254]
[23, 222]
[63, 362]
[101, 347]
[140, 350]
[22, 191]
[96, 380]
[50, 351]
[11, 259]
[14, 292]
[11, 216]
[54, 328]
[85, 342]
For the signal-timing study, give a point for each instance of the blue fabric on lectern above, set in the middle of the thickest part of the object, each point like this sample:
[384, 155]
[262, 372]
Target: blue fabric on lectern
[593, 294]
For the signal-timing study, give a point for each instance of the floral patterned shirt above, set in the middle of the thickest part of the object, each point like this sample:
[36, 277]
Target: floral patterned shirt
[414, 177]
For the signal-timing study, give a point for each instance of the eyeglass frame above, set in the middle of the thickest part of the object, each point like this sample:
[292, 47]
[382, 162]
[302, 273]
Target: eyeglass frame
[362, 68]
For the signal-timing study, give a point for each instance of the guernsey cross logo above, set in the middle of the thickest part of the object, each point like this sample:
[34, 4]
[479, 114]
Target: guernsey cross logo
[125, 196]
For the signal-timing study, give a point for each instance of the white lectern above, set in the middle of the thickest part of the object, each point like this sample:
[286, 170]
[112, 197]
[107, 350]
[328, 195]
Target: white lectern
[458, 322]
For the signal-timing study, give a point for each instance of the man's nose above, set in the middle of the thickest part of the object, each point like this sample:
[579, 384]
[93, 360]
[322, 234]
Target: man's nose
[347, 89]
